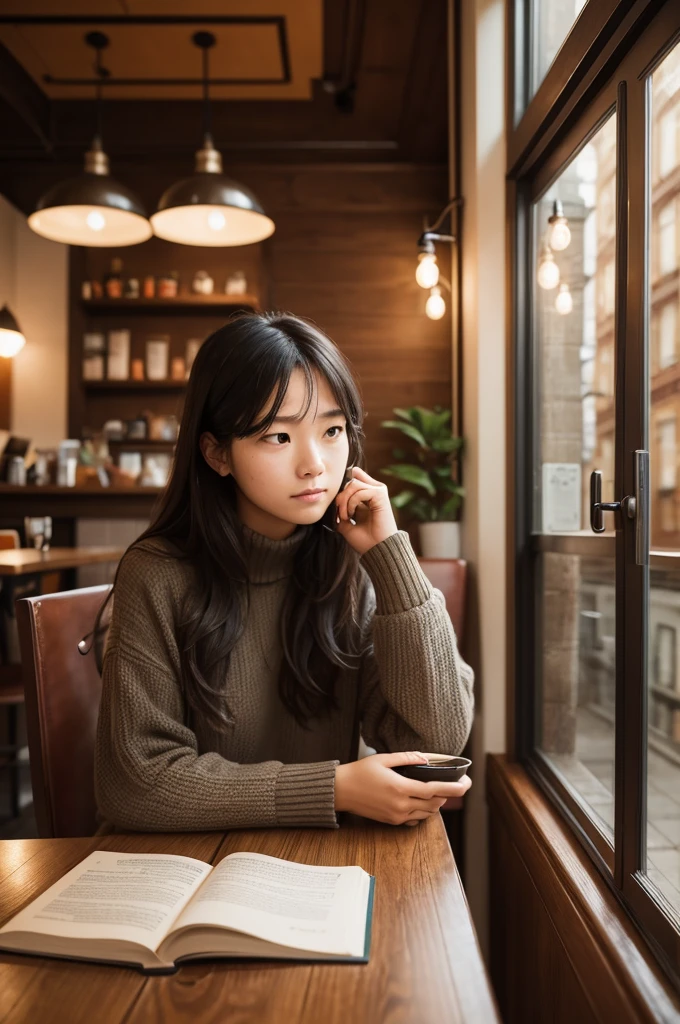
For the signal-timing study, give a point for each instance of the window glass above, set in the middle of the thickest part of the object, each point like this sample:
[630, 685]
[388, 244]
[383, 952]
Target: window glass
[663, 718]
[552, 21]
[574, 225]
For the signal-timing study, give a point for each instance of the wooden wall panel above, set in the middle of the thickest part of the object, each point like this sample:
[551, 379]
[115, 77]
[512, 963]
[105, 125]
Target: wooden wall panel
[344, 255]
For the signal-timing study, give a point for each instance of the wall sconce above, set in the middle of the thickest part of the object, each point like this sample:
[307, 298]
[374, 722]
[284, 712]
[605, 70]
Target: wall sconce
[427, 271]
[11, 338]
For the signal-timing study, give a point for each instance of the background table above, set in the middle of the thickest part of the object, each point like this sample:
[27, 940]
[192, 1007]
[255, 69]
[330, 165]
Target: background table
[24, 561]
[425, 966]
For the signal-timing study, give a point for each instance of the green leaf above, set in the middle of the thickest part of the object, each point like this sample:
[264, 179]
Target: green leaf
[407, 429]
[398, 453]
[405, 414]
[412, 475]
[446, 444]
[402, 499]
[452, 487]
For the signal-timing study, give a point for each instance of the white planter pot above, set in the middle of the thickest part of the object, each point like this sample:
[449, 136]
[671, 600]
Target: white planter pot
[440, 540]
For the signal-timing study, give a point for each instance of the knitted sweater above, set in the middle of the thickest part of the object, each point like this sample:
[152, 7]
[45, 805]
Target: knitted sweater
[155, 773]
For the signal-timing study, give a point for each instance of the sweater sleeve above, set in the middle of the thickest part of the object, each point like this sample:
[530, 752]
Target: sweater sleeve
[415, 690]
[149, 774]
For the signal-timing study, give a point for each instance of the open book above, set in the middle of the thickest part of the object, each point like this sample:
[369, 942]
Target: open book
[153, 911]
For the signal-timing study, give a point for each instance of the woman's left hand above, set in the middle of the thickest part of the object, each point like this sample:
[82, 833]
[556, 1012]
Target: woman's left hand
[367, 502]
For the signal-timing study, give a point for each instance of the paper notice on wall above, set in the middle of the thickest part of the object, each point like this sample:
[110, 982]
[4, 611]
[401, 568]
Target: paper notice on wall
[561, 497]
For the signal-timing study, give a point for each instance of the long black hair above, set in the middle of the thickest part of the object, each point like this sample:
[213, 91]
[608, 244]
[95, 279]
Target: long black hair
[235, 372]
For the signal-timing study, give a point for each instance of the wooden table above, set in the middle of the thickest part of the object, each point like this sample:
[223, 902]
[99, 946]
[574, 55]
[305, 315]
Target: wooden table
[24, 561]
[425, 966]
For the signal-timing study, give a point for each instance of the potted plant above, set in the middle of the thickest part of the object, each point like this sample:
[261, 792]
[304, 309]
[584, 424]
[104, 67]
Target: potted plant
[433, 497]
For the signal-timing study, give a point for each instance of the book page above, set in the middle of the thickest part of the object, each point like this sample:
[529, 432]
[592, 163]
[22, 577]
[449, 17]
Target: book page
[129, 897]
[321, 909]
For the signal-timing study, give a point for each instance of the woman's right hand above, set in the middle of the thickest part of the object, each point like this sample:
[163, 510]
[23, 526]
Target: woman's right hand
[370, 788]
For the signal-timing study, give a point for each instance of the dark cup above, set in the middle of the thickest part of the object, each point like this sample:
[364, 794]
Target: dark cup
[451, 770]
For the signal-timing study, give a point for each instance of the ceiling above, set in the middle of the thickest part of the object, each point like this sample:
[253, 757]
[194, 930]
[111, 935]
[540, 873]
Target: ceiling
[263, 50]
[294, 81]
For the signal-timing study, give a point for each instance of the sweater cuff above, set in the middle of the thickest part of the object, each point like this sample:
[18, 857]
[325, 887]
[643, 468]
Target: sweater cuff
[398, 581]
[305, 795]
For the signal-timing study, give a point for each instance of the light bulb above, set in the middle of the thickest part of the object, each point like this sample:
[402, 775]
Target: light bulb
[11, 342]
[560, 235]
[564, 302]
[216, 220]
[95, 220]
[548, 271]
[435, 307]
[427, 271]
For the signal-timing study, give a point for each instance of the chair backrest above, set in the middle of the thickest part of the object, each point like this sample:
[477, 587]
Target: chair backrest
[9, 540]
[450, 576]
[63, 691]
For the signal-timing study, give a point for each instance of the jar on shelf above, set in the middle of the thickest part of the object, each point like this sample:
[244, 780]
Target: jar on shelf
[113, 282]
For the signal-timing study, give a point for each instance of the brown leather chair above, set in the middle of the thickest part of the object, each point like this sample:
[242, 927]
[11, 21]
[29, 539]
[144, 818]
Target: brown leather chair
[449, 575]
[63, 691]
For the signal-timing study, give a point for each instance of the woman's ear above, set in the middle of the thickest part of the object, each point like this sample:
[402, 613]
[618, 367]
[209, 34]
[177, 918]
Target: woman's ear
[214, 453]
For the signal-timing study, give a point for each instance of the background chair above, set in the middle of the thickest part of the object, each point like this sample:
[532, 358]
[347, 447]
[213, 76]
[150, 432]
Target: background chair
[11, 696]
[63, 691]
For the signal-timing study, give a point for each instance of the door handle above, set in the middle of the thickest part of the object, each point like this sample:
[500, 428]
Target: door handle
[636, 506]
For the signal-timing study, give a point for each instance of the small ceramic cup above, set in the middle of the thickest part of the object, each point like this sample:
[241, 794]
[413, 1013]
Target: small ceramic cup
[440, 768]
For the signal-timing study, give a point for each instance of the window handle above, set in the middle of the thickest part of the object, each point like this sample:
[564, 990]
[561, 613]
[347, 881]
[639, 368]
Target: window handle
[599, 507]
[636, 506]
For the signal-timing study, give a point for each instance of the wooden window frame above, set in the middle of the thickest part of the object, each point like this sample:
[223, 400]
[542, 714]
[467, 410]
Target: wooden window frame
[577, 94]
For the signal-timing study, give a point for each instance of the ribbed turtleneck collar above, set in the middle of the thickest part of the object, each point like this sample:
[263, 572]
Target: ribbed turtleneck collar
[271, 560]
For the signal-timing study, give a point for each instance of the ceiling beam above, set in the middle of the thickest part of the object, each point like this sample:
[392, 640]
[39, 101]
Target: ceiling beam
[27, 99]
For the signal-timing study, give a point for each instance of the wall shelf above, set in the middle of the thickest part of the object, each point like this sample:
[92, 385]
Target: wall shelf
[183, 304]
[134, 385]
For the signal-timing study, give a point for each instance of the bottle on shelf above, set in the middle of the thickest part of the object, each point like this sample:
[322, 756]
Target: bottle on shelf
[113, 282]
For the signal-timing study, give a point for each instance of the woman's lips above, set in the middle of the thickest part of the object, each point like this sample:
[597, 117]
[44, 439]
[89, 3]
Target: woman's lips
[309, 497]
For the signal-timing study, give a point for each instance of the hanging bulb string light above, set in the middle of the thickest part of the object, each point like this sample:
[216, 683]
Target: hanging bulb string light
[208, 208]
[92, 208]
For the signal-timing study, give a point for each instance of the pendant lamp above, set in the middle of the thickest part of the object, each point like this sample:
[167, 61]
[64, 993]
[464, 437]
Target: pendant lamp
[208, 208]
[93, 208]
[11, 338]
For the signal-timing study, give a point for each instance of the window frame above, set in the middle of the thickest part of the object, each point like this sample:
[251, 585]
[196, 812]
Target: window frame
[565, 112]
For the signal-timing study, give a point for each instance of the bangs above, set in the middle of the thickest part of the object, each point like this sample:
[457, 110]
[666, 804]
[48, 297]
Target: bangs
[338, 378]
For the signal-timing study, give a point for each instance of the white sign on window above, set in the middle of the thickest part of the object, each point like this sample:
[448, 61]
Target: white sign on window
[561, 494]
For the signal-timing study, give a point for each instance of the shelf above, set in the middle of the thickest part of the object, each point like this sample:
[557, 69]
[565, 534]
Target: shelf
[134, 385]
[205, 304]
[130, 444]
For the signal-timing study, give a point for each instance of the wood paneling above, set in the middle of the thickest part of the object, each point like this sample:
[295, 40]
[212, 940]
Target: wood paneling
[562, 947]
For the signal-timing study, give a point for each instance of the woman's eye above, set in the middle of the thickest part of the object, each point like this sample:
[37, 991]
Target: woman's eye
[276, 437]
[338, 428]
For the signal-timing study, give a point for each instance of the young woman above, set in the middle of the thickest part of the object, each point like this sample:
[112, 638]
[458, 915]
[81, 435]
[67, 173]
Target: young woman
[272, 611]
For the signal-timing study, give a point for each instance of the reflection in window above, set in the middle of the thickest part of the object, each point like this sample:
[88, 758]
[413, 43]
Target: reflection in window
[551, 23]
[667, 240]
[575, 356]
[663, 729]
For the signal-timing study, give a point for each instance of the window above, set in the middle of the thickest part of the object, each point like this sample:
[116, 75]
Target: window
[575, 402]
[667, 455]
[597, 346]
[668, 326]
[668, 142]
[667, 239]
[552, 21]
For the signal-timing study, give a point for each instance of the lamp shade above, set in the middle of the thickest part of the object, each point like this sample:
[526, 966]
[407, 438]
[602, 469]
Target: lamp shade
[210, 209]
[11, 338]
[91, 209]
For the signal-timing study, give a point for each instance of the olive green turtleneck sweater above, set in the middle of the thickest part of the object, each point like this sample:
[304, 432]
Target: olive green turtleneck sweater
[154, 773]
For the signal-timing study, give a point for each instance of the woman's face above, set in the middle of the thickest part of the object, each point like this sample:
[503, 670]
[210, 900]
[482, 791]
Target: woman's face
[311, 454]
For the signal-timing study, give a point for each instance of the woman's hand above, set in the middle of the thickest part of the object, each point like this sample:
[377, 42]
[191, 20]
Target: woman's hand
[367, 502]
[370, 788]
